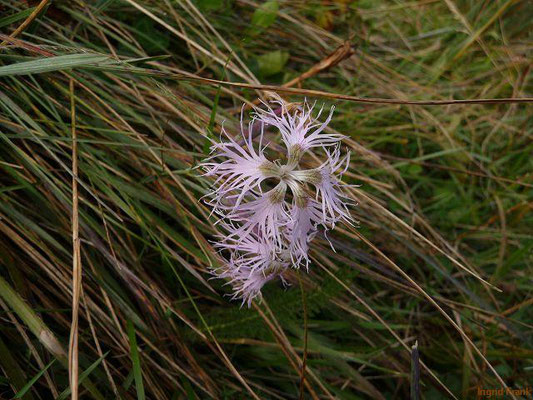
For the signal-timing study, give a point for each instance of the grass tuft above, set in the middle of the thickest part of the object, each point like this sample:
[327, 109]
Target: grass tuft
[435, 98]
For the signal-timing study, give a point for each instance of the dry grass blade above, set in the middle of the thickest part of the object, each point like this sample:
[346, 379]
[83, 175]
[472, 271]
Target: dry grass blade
[435, 100]
[291, 354]
[33, 350]
[304, 357]
[385, 324]
[415, 372]
[194, 44]
[26, 46]
[439, 308]
[341, 53]
[27, 21]
[475, 36]
[422, 237]
[73, 358]
[354, 99]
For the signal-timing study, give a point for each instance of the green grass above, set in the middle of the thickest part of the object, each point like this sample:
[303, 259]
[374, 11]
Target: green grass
[446, 193]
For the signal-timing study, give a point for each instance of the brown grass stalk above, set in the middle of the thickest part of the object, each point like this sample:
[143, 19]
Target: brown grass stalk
[76, 256]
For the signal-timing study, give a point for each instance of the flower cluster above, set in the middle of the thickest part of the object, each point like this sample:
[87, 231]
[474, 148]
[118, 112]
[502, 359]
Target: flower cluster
[271, 210]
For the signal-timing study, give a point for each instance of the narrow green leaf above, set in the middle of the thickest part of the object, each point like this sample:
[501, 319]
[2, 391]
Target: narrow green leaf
[30, 383]
[207, 143]
[16, 17]
[128, 381]
[65, 393]
[30, 318]
[188, 389]
[39, 329]
[212, 117]
[49, 64]
[14, 373]
[136, 361]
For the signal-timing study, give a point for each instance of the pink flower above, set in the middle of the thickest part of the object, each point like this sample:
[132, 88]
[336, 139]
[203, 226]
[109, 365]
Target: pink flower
[267, 231]
[306, 215]
[252, 252]
[329, 189]
[242, 170]
[300, 131]
[247, 283]
[264, 215]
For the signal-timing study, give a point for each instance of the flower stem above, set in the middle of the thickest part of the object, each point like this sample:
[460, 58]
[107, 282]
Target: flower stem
[304, 358]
